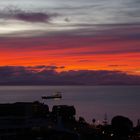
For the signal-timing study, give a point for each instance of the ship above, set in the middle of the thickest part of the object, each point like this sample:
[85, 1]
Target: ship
[58, 95]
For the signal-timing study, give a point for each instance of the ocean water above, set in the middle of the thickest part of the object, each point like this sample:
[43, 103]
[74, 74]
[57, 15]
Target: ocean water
[90, 101]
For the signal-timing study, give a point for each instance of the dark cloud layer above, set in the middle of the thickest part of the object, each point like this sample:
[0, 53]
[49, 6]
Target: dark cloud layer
[32, 17]
[47, 75]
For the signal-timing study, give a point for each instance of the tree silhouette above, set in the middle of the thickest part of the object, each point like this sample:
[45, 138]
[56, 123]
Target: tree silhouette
[122, 125]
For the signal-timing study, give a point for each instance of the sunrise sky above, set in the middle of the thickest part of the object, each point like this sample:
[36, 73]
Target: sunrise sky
[71, 34]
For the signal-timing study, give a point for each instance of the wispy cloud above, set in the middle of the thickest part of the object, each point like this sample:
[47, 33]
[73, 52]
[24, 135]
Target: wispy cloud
[116, 39]
[73, 15]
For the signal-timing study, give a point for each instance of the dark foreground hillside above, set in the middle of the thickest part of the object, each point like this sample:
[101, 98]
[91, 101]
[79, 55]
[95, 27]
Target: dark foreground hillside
[34, 121]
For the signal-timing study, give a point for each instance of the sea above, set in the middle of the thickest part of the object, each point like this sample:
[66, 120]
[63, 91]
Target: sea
[90, 102]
